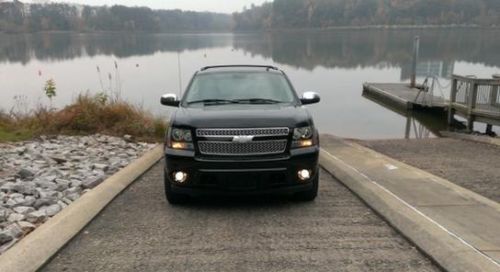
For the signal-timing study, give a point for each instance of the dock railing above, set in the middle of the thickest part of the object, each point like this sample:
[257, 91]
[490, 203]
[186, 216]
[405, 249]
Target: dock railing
[475, 99]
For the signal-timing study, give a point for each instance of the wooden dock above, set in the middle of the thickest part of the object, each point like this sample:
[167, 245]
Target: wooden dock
[404, 96]
[476, 100]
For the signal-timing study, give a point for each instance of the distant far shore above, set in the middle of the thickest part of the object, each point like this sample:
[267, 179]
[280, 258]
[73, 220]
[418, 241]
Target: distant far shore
[390, 27]
[367, 27]
[113, 31]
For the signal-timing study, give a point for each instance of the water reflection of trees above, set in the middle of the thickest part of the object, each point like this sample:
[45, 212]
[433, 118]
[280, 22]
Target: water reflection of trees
[59, 46]
[360, 48]
[307, 49]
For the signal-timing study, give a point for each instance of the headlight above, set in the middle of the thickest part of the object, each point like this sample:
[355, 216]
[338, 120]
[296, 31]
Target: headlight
[302, 133]
[180, 139]
[303, 137]
[183, 135]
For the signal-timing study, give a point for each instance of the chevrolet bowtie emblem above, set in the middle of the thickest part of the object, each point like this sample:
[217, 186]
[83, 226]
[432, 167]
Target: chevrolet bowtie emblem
[242, 139]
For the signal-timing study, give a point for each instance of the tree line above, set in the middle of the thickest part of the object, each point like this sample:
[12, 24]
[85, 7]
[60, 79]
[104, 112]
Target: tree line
[284, 14]
[19, 17]
[278, 14]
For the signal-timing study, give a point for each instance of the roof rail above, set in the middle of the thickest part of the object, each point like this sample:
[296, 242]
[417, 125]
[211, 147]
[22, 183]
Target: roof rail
[241, 65]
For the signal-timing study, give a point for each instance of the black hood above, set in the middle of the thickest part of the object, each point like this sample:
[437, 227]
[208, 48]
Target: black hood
[242, 116]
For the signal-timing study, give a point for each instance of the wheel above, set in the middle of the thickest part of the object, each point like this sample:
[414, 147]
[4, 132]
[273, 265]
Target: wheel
[310, 194]
[173, 198]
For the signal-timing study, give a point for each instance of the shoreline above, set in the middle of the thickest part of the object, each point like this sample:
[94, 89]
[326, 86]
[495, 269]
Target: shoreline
[271, 30]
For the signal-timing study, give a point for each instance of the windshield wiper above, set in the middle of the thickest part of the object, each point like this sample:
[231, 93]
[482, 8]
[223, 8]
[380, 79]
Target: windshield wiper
[214, 101]
[260, 101]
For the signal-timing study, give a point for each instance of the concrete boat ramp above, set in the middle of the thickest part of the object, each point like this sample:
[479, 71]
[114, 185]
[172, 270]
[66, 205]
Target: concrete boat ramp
[456, 227]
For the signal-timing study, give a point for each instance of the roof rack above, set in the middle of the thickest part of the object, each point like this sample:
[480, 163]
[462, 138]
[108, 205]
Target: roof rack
[242, 65]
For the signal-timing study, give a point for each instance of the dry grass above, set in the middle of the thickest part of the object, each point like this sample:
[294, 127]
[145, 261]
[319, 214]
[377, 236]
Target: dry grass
[89, 114]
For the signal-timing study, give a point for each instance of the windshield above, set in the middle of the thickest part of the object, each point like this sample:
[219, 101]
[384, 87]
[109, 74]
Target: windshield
[239, 88]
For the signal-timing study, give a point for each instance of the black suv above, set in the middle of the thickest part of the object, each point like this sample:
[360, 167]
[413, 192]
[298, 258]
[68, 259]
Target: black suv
[241, 129]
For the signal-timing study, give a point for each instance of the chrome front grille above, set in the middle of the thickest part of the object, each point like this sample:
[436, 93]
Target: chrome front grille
[230, 132]
[239, 149]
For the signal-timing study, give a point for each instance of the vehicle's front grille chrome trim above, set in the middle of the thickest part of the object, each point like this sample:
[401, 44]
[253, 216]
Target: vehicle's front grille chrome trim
[242, 149]
[231, 132]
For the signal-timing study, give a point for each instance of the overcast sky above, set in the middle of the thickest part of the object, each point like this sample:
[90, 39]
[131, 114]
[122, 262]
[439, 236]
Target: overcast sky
[225, 6]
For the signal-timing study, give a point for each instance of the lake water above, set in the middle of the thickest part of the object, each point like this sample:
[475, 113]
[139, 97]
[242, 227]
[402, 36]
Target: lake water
[142, 67]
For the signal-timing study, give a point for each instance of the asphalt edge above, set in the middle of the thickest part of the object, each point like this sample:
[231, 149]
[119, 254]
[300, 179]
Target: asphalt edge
[34, 250]
[447, 250]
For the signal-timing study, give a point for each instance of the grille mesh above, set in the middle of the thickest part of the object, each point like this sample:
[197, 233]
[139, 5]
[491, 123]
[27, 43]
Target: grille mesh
[224, 132]
[237, 149]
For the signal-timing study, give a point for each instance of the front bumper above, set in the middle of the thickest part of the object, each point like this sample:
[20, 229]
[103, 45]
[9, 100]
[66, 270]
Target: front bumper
[242, 176]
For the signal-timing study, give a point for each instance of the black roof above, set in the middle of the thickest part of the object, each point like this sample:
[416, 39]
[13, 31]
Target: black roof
[238, 67]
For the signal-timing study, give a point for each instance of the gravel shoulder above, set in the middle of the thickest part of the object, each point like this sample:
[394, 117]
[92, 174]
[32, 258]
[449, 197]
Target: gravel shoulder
[472, 165]
[139, 231]
[39, 178]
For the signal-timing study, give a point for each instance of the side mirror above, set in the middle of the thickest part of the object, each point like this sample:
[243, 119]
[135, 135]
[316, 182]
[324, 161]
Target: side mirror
[170, 100]
[310, 98]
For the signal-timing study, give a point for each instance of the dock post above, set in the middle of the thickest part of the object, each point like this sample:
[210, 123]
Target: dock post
[453, 98]
[471, 105]
[493, 101]
[494, 90]
[416, 48]
[408, 127]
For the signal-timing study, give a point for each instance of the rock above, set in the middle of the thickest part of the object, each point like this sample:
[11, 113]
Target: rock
[49, 178]
[47, 193]
[73, 190]
[59, 160]
[45, 184]
[77, 158]
[28, 201]
[36, 217]
[20, 150]
[92, 182]
[26, 188]
[15, 217]
[7, 187]
[62, 184]
[62, 204]
[5, 237]
[26, 227]
[67, 201]
[3, 197]
[25, 173]
[76, 183]
[10, 203]
[73, 197]
[100, 166]
[14, 230]
[128, 138]
[51, 210]
[16, 195]
[14, 202]
[4, 214]
[23, 210]
[46, 201]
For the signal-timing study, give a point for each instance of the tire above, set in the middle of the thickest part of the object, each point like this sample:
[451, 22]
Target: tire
[311, 194]
[174, 198]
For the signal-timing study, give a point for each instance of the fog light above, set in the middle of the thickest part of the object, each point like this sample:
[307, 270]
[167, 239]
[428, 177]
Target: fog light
[180, 177]
[304, 174]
